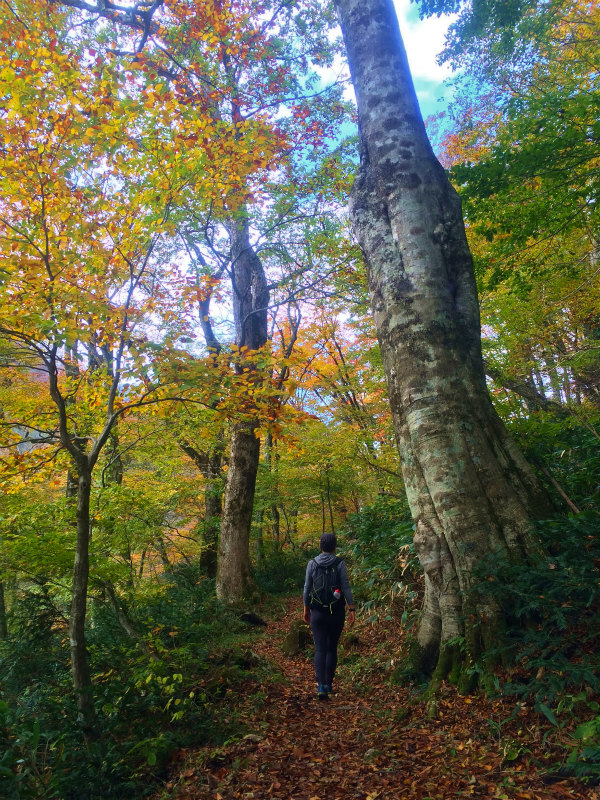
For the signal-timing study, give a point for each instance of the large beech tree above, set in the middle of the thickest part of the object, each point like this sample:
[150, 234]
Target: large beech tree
[470, 490]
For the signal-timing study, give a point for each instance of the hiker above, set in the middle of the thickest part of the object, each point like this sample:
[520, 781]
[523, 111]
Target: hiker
[326, 592]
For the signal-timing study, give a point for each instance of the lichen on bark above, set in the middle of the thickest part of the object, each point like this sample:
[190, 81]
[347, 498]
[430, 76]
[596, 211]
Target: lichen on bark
[470, 490]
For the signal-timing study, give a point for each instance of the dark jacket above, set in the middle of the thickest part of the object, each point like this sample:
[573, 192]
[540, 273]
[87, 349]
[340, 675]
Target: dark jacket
[325, 559]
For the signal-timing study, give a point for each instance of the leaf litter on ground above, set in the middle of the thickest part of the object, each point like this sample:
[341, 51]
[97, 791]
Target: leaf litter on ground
[373, 740]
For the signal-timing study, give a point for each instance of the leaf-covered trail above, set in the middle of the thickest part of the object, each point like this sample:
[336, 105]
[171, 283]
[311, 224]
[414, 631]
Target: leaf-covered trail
[369, 741]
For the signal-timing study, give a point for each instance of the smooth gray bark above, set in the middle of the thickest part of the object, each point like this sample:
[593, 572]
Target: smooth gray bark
[470, 490]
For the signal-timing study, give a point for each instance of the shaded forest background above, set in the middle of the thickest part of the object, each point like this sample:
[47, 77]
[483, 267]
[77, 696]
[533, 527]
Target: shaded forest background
[144, 156]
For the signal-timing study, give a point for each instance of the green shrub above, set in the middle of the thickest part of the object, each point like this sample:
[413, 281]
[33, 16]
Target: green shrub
[567, 448]
[282, 571]
[552, 606]
[378, 546]
[172, 687]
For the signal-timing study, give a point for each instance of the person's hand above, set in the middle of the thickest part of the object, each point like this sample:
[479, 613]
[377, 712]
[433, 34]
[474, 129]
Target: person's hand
[351, 618]
[306, 615]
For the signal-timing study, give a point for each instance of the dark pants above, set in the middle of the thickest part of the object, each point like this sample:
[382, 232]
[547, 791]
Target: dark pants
[326, 628]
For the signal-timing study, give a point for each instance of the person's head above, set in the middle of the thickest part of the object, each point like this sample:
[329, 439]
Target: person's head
[328, 542]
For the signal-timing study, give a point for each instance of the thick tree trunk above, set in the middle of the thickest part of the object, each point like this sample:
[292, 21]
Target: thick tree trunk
[250, 305]
[470, 490]
[233, 572]
[81, 568]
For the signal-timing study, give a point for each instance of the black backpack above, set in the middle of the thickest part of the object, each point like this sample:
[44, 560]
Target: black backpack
[325, 581]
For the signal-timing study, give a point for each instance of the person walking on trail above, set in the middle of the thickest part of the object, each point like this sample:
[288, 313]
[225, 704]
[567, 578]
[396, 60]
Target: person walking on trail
[326, 593]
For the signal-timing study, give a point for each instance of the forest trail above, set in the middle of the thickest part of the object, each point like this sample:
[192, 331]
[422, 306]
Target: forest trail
[370, 741]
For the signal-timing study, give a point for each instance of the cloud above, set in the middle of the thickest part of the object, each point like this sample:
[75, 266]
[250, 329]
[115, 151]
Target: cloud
[424, 39]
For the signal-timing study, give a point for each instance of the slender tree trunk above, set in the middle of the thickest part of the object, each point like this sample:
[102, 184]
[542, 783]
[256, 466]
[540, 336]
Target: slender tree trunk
[259, 542]
[470, 490]
[276, 518]
[125, 620]
[271, 463]
[162, 552]
[539, 380]
[142, 563]
[79, 655]
[213, 504]
[213, 510]
[552, 370]
[209, 463]
[72, 485]
[586, 370]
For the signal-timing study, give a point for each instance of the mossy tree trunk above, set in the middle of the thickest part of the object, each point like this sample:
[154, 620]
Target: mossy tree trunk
[470, 490]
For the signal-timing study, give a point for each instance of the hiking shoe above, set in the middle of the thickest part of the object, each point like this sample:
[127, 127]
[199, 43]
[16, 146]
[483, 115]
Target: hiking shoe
[321, 692]
[328, 688]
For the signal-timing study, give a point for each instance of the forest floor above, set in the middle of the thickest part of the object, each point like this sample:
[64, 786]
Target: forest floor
[372, 739]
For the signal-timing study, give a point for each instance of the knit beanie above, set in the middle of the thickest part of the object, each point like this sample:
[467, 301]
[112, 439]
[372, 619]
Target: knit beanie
[328, 542]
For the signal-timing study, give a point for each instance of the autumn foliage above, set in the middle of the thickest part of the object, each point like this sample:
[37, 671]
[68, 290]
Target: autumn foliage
[138, 143]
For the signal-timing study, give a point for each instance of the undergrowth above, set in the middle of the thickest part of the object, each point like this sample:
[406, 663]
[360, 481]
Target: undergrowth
[282, 570]
[552, 607]
[178, 685]
[385, 575]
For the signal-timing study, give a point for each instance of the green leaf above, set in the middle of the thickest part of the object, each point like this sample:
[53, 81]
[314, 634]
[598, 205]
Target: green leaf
[36, 734]
[587, 730]
[547, 712]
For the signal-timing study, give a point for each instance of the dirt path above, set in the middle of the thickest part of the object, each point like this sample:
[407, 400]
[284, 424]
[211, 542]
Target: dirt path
[369, 741]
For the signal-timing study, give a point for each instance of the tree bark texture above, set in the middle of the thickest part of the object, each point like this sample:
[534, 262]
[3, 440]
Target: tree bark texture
[233, 572]
[250, 304]
[470, 490]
